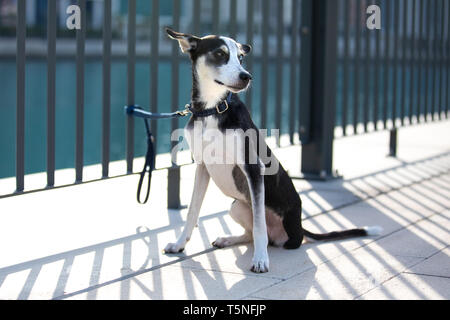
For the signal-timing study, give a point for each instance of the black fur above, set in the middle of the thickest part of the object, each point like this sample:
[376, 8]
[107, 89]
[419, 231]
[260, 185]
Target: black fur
[280, 194]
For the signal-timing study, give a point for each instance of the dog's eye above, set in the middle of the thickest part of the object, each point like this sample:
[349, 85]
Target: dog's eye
[219, 53]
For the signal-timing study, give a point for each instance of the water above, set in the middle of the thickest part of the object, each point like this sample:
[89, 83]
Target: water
[36, 106]
[36, 110]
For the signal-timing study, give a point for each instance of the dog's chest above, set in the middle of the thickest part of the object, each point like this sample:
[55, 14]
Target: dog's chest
[219, 151]
[210, 145]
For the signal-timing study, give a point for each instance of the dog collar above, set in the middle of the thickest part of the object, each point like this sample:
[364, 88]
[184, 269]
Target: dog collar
[219, 109]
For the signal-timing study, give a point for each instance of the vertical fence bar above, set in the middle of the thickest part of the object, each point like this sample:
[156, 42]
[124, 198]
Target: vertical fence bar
[51, 91]
[434, 50]
[447, 101]
[420, 57]
[345, 80]
[195, 17]
[412, 61]
[356, 94]
[293, 69]
[215, 17]
[173, 174]
[154, 52]
[106, 111]
[404, 50]
[386, 69]
[279, 72]
[395, 61]
[427, 58]
[377, 76]
[264, 62]
[81, 36]
[441, 58]
[233, 24]
[131, 65]
[20, 111]
[249, 59]
[367, 78]
[175, 69]
[304, 114]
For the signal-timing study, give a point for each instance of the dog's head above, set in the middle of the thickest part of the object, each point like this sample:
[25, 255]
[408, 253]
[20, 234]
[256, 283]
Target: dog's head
[217, 60]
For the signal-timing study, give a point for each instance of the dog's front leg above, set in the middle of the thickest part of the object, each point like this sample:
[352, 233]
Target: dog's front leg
[200, 186]
[255, 179]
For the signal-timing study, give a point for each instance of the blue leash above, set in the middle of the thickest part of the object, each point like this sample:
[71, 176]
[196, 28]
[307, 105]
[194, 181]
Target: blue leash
[149, 165]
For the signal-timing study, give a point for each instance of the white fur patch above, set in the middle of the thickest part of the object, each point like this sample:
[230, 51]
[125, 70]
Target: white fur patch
[374, 230]
[210, 91]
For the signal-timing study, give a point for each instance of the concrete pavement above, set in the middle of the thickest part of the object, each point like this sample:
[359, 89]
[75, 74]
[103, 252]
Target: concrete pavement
[93, 241]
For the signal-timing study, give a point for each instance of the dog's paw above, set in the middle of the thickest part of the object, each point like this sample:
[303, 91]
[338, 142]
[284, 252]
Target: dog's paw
[260, 264]
[173, 248]
[222, 242]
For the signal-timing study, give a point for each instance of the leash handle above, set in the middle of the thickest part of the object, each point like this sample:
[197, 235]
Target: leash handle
[149, 166]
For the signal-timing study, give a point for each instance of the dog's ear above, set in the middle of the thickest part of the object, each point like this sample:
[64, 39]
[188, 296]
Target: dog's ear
[245, 48]
[187, 42]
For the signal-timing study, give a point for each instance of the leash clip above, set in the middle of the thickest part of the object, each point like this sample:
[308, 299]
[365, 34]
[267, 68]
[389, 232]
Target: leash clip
[184, 112]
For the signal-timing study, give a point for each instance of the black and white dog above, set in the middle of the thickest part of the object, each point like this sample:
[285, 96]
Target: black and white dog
[266, 204]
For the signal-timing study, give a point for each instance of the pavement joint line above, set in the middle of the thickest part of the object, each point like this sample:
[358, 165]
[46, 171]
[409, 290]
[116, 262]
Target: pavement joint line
[255, 297]
[256, 275]
[426, 275]
[264, 288]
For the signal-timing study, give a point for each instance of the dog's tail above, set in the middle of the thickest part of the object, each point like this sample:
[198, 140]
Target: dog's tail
[351, 233]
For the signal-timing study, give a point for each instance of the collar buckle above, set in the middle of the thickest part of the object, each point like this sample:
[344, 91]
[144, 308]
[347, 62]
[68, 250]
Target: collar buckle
[218, 109]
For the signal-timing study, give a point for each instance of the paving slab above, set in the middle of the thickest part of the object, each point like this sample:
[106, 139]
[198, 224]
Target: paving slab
[412, 287]
[69, 239]
[421, 239]
[437, 265]
[356, 272]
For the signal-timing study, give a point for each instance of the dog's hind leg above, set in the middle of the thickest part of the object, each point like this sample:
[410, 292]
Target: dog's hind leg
[200, 185]
[242, 214]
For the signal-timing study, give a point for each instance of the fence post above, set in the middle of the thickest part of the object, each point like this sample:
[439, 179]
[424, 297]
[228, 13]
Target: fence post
[173, 174]
[393, 142]
[320, 84]
[173, 191]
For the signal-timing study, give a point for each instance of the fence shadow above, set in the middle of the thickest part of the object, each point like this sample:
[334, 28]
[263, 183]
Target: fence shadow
[415, 214]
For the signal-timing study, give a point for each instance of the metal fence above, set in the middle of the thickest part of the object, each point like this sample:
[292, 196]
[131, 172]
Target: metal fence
[397, 75]
[277, 50]
[316, 62]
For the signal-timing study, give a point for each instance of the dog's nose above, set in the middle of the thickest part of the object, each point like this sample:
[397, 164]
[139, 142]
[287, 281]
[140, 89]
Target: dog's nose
[245, 76]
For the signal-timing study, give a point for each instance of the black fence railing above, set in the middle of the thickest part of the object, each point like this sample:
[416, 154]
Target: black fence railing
[397, 75]
[316, 65]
